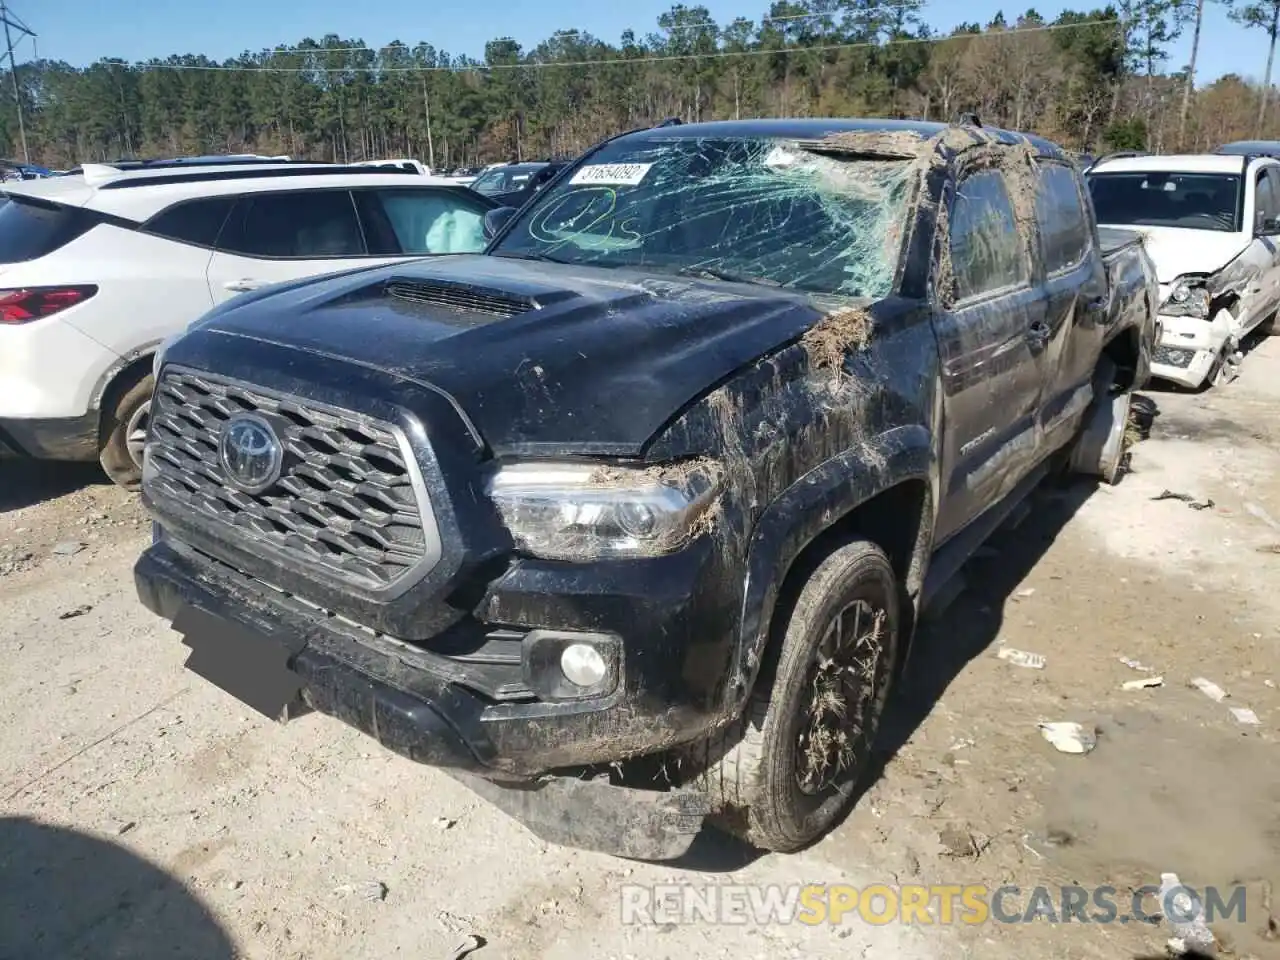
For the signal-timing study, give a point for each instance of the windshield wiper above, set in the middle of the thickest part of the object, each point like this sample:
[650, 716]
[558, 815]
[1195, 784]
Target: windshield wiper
[714, 273]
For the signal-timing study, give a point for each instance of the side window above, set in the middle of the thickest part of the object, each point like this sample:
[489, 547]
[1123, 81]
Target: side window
[304, 225]
[1064, 231]
[416, 221]
[1273, 174]
[1265, 205]
[192, 221]
[986, 248]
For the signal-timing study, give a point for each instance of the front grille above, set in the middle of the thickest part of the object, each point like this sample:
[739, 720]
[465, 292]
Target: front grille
[1173, 356]
[459, 297]
[345, 503]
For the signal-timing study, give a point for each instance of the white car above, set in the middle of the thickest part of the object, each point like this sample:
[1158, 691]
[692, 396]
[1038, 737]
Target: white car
[404, 163]
[98, 268]
[1212, 226]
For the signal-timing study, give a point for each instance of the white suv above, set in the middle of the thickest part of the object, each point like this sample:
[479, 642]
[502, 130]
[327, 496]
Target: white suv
[97, 269]
[1212, 226]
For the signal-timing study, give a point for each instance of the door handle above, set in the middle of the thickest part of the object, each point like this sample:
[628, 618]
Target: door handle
[243, 285]
[1038, 332]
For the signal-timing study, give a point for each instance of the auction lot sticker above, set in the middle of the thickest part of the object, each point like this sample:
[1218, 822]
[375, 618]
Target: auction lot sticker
[612, 174]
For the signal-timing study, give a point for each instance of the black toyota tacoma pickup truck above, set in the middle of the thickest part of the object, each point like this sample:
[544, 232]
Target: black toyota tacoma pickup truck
[627, 522]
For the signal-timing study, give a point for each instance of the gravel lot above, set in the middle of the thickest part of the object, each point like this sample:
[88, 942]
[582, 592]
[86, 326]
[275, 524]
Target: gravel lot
[143, 813]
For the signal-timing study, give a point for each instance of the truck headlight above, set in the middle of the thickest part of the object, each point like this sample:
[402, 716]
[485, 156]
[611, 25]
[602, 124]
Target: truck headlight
[582, 511]
[1188, 298]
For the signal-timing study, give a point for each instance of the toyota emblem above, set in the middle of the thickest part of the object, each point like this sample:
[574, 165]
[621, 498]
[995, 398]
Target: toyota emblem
[251, 453]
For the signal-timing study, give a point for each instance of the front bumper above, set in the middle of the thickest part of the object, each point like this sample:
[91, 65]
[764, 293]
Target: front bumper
[61, 438]
[418, 705]
[1187, 349]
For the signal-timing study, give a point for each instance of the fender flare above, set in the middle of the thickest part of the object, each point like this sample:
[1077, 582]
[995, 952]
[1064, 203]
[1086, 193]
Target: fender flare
[122, 363]
[811, 506]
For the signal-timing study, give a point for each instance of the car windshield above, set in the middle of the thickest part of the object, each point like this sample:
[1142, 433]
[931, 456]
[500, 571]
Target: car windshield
[760, 209]
[1198, 201]
[504, 179]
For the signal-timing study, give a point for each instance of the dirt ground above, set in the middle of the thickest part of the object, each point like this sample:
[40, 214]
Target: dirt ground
[143, 813]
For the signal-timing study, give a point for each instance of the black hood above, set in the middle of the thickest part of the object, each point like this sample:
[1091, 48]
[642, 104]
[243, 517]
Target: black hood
[543, 357]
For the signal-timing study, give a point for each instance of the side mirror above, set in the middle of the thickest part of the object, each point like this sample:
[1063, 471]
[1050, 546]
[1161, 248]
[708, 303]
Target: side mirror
[496, 219]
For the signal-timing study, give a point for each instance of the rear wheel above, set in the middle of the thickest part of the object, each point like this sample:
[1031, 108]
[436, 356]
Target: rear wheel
[1107, 432]
[124, 433]
[806, 741]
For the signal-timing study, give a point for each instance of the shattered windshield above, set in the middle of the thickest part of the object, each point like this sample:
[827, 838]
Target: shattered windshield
[1199, 201]
[757, 210]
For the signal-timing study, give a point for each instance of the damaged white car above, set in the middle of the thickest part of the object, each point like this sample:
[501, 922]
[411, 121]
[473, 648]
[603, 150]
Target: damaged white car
[1212, 225]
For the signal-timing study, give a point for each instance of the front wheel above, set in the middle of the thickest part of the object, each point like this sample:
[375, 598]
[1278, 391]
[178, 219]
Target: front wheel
[124, 434]
[807, 740]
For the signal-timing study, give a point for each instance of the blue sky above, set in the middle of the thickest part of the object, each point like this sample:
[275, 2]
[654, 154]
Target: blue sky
[80, 32]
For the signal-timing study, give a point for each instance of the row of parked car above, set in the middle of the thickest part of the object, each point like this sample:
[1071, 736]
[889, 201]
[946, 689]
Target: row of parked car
[621, 504]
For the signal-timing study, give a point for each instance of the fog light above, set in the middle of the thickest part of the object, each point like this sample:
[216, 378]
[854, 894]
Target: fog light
[570, 665]
[582, 665]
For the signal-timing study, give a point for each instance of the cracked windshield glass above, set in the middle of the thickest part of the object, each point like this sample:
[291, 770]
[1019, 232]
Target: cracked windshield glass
[758, 210]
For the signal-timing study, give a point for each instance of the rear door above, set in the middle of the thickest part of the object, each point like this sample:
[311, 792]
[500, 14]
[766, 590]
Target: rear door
[988, 337]
[275, 237]
[271, 238]
[1077, 304]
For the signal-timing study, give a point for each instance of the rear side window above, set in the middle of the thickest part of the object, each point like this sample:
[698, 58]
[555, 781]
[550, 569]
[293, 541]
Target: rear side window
[30, 228]
[194, 221]
[1064, 231]
[304, 225]
[421, 221]
[986, 246]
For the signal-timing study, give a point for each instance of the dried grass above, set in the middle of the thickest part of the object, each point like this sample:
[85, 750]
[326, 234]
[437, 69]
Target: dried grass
[836, 334]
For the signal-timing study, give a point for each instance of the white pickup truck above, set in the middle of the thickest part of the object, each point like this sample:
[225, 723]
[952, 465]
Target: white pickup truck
[1212, 226]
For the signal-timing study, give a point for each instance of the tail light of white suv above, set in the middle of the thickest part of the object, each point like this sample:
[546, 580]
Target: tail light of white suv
[33, 303]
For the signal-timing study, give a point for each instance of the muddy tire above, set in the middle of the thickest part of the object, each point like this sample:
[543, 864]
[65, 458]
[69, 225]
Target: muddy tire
[806, 741]
[123, 430]
[1268, 326]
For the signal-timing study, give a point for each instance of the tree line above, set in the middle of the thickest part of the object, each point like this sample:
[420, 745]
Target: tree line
[1092, 80]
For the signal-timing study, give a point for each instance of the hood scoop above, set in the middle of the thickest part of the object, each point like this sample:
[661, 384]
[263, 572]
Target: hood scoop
[460, 296]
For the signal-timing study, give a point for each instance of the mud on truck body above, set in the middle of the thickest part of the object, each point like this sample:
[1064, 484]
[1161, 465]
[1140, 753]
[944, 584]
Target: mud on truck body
[627, 522]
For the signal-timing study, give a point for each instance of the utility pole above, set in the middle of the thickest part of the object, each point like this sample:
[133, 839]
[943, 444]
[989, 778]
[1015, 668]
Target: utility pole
[11, 22]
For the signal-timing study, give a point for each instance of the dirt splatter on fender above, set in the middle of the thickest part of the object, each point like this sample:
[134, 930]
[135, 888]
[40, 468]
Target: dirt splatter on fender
[835, 335]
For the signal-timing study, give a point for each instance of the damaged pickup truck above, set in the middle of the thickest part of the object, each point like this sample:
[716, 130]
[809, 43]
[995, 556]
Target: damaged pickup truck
[628, 521]
[1212, 227]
